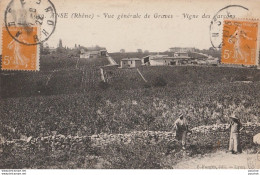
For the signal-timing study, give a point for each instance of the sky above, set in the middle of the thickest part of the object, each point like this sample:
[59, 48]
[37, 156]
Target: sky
[153, 34]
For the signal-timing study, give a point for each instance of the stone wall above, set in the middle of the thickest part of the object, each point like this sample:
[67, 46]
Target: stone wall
[213, 136]
[217, 136]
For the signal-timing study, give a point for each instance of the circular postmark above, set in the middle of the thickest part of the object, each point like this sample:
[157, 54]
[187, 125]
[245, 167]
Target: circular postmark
[24, 17]
[216, 24]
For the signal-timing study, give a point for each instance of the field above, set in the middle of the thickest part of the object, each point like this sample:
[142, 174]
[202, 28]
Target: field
[58, 75]
[68, 97]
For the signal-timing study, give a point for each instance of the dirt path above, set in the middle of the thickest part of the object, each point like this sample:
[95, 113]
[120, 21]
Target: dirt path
[111, 60]
[220, 160]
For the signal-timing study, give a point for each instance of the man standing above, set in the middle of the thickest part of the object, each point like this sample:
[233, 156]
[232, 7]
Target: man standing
[235, 128]
[181, 128]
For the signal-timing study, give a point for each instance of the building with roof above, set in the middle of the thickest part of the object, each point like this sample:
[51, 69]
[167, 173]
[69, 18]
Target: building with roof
[179, 58]
[161, 61]
[181, 55]
[131, 62]
[93, 52]
[181, 49]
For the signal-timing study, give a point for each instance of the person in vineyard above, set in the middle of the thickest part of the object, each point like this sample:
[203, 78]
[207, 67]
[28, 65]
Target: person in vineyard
[181, 129]
[235, 127]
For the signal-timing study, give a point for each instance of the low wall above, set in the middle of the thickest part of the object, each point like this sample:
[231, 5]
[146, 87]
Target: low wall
[214, 136]
[217, 136]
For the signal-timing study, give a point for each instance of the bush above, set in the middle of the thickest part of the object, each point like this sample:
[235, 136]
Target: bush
[136, 155]
[159, 82]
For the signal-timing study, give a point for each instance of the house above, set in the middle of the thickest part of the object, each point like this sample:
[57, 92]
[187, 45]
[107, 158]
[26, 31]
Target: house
[181, 49]
[156, 60]
[181, 55]
[179, 58]
[202, 62]
[131, 62]
[161, 61]
[213, 61]
[89, 54]
[147, 58]
[93, 52]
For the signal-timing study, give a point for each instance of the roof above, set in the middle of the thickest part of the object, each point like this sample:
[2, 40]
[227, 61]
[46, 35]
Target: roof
[182, 57]
[92, 49]
[161, 58]
[156, 56]
[165, 58]
[131, 59]
[90, 52]
[93, 52]
[182, 52]
[96, 48]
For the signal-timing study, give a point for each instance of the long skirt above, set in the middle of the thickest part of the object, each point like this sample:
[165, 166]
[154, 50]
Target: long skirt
[234, 143]
[181, 136]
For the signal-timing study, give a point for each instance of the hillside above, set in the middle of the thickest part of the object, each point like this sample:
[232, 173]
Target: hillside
[67, 98]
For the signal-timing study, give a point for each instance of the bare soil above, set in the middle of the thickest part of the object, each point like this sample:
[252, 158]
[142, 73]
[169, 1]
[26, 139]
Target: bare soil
[221, 160]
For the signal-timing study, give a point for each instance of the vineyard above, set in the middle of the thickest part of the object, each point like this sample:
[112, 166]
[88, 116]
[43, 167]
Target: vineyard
[58, 75]
[68, 98]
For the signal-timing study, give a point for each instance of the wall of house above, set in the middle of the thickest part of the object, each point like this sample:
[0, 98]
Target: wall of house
[124, 64]
[157, 62]
[130, 63]
[184, 54]
[178, 49]
[85, 55]
[93, 56]
[138, 63]
[103, 53]
[181, 54]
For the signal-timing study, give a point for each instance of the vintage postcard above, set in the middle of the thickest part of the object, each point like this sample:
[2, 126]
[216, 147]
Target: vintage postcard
[129, 84]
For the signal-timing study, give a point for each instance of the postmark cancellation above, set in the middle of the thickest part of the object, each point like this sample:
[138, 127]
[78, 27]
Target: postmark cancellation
[27, 25]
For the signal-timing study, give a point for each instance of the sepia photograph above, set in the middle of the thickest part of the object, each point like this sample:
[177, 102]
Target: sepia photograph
[129, 84]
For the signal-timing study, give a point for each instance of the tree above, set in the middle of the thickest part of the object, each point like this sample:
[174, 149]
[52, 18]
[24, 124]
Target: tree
[60, 44]
[44, 50]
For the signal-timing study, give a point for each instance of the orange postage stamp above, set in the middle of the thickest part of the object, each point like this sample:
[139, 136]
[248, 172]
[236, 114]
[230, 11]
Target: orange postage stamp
[240, 42]
[16, 55]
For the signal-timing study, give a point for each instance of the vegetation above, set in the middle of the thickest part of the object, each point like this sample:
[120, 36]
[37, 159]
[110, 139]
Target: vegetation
[68, 97]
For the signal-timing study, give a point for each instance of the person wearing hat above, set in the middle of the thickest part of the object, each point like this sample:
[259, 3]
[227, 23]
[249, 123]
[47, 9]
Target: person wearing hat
[181, 128]
[235, 128]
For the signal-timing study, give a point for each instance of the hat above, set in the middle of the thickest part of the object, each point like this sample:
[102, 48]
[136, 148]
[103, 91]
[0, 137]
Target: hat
[180, 115]
[233, 116]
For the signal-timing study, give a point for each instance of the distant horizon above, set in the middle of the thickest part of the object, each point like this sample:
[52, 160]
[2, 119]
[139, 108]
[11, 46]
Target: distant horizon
[127, 51]
[170, 23]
